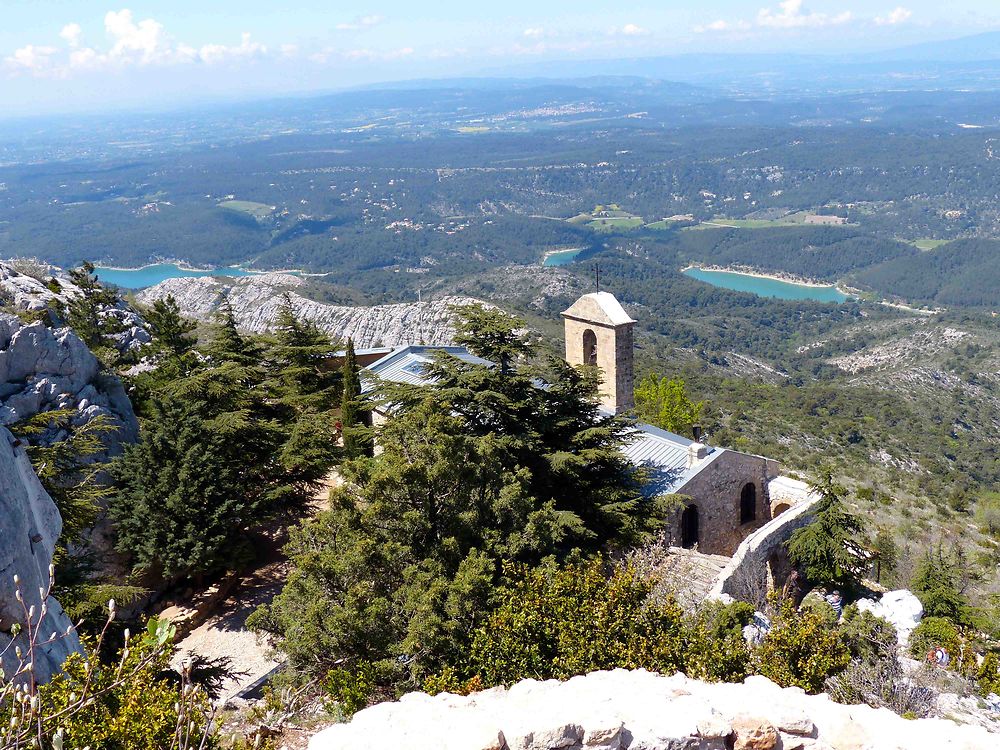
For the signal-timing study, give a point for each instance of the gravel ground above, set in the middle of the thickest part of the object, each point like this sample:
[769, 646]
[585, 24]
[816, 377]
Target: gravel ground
[225, 633]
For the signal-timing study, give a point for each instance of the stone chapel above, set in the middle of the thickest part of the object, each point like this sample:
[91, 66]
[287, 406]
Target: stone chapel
[725, 494]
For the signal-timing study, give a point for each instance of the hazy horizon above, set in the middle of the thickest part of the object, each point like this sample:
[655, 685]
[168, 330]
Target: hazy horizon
[62, 57]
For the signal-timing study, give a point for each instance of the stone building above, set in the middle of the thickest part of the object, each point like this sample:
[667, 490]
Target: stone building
[726, 495]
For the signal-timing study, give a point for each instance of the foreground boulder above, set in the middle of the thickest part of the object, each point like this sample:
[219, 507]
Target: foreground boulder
[29, 527]
[641, 710]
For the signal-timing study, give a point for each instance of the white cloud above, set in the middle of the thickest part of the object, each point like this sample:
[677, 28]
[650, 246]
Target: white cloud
[790, 15]
[215, 53]
[629, 29]
[361, 22]
[722, 25]
[895, 16]
[71, 33]
[30, 59]
[144, 42]
[534, 32]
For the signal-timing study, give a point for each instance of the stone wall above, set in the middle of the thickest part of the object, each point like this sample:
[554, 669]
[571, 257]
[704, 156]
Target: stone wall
[761, 559]
[716, 492]
[29, 527]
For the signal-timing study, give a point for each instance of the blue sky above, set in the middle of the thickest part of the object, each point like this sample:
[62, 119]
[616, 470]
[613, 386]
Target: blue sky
[67, 54]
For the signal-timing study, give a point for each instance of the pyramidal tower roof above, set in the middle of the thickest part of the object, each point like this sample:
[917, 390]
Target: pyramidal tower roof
[601, 308]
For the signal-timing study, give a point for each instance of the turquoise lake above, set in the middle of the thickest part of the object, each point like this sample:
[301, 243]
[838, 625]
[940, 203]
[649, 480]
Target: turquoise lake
[140, 278]
[562, 257]
[742, 282]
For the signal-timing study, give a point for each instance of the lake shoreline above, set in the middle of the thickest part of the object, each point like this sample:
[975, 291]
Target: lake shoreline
[787, 278]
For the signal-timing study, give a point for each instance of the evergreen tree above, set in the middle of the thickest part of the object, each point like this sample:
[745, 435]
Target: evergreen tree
[937, 582]
[182, 505]
[170, 330]
[350, 405]
[299, 358]
[830, 550]
[491, 334]
[480, 467]
[84, 312]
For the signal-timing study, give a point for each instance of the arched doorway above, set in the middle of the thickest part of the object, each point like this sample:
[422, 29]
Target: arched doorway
[748, 503]
[779, 509]
[589, 347]
[689, 527]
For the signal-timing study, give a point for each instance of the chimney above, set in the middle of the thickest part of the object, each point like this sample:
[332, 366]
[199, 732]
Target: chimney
[696, 452]
[697, 433]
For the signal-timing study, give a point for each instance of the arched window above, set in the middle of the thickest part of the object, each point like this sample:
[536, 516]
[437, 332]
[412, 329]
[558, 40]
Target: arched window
[689, 527]
[779, 509]
[589, 347]
[748, 503]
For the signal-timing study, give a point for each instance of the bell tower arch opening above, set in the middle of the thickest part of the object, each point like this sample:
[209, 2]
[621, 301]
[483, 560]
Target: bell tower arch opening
[589, 347]
[599, 332]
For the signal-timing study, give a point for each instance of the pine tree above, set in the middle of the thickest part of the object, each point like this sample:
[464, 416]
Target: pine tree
[182, 504]
[171, 331]
[299, 358]
[350, 408]
[84, 311]
[831, 549]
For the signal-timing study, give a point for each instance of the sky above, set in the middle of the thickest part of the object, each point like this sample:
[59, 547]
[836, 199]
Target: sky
[66, 55]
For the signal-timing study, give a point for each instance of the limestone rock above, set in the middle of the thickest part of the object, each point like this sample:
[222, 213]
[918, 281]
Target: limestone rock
[29, 528]
[754, 734]
[640, 710]
[42, 369]
[256, 300]
[901, 608]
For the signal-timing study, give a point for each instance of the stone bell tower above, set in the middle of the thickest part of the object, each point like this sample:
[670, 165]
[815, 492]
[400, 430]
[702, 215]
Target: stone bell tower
[599, 332]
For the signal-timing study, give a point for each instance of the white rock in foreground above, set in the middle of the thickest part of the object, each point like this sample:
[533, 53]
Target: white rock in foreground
[640, 710]
[901, 608]
[256, 300]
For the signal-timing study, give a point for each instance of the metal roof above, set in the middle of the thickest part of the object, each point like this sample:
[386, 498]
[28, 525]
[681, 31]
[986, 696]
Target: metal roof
[664, 455]
[408, 364]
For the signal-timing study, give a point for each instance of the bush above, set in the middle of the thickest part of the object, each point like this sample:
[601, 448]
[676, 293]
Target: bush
[351, 689]
[801, 650]
[135, 702]
[868, 637]
[559, 622]
[988, 674]
[934, 632]
[815, 604]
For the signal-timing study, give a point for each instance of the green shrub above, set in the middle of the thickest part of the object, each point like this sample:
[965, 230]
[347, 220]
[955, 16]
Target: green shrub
[815, 604]
[352, 689]
[801, 650]
[933, 632]
[559, 622]
[868, 637]
[988, 674]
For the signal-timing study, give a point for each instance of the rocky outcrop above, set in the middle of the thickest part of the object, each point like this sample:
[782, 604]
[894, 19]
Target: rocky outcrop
[26, 292]
[901, 608]
[43, 369]
[29, 527]
[640, 710]
[256, 300]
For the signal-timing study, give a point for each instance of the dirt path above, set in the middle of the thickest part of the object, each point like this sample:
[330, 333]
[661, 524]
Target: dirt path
[224, 633]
